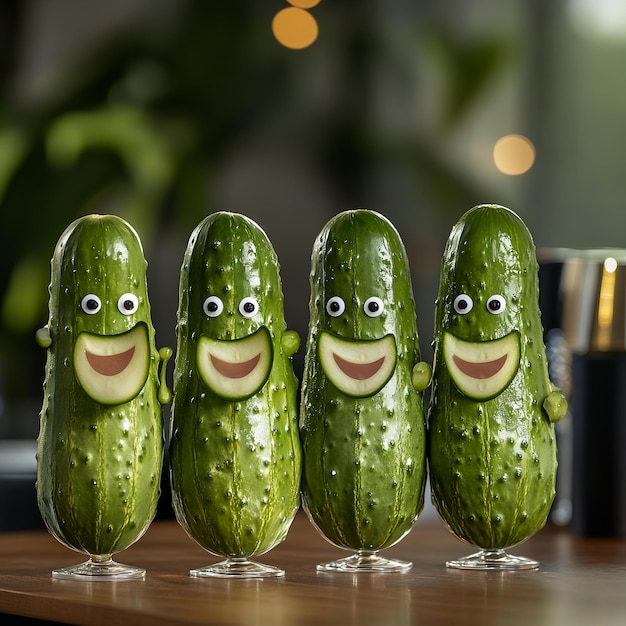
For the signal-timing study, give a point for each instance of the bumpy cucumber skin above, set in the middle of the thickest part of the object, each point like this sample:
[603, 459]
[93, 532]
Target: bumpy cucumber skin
[235, 465]
[492, 463]
[99, 467]
[364, 458]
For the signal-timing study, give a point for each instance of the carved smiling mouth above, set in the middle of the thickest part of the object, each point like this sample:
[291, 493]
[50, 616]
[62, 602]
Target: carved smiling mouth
[482, 369]
[358, 371]
[112, 368]
[232, 369]
[110, 365]
[358, 368]
[235, 369]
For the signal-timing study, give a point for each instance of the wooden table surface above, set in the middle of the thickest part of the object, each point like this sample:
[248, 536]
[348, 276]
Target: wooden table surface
[580, 581]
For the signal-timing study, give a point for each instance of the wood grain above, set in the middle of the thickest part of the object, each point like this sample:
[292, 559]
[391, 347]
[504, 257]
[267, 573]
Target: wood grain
[580, 581]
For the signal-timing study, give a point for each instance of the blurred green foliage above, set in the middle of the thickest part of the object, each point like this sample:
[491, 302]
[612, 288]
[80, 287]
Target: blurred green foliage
[141, 121]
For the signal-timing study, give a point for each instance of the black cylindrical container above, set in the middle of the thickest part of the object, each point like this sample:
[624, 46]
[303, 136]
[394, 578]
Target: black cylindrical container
[599, 472]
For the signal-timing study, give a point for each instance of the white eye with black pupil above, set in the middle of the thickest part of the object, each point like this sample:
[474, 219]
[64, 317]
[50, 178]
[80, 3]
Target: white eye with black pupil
[373, 307]
[463, 304]
[248, 307]
[128, 304]
[496, 304]
[90, 304]
[335, 306]
[212, 306]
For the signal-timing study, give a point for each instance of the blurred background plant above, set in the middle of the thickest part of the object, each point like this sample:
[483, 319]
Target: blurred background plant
[165, 111]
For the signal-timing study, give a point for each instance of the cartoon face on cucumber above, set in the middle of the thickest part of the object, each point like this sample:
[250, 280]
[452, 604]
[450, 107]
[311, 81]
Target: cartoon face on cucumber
[358, 368]
[482, 369]
[112, 368]
[234, 369]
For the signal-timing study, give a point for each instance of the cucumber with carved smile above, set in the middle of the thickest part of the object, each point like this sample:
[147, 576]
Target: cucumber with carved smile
[101, 440]
[362, 416]
[492, 451]
[234, 449]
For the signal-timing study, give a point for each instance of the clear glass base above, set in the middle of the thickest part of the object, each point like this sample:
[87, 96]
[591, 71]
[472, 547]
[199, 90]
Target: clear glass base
[237, 568]
[496, 560]
[99, 568]
[365, 561]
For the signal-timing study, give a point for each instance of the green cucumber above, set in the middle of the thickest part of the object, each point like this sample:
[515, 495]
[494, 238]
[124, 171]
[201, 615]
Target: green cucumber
[492, 450]
[362, 417]
[100, 445]
[234, 447]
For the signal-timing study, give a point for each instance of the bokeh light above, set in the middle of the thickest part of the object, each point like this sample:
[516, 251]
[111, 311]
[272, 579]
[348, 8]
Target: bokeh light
[295, 28]
[304, 4]
[514, 154]
[610, 265]
[606, 18]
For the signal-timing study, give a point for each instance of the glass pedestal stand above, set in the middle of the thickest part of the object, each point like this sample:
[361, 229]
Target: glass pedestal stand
[495, 560]
[365, 561]
[101, 567]
[237, 568]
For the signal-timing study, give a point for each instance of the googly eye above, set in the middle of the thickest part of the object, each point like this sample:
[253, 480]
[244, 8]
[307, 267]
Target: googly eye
[248, 307]
[128, 304]
[90, 304]
[373, 307]
[496, 304]
[463, 304]
[212, 306]
[335, 306]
